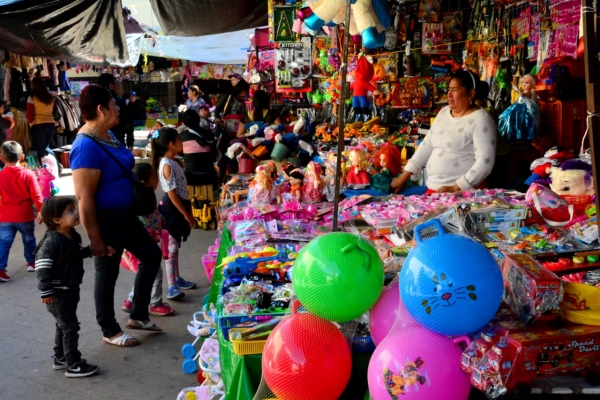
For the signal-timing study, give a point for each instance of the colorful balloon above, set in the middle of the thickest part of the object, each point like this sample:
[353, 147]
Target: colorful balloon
[450, 284]
[388, 310]
[415, 364]
[306, 357]
[338, 276]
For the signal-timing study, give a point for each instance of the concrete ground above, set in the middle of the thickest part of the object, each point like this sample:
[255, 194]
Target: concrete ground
[151, 371]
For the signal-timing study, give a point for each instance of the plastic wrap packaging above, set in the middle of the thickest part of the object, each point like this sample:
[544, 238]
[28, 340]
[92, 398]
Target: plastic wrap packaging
[520, 121]
[83, 31]
[531, 291]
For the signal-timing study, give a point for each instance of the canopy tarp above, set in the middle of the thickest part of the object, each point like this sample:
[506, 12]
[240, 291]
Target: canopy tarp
[208, 17]
[84, 31]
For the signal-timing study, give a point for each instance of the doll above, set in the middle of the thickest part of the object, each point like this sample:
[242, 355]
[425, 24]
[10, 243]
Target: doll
[284, 179]
[263, 191]
[357, 177]
[525, 87]
[572, 178]
[296, 181]
[540, 168]
[312, 191]
[387, 158]
[330, 173]
[521, 120]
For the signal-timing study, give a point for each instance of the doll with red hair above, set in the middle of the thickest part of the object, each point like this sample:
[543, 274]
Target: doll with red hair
[389, 160]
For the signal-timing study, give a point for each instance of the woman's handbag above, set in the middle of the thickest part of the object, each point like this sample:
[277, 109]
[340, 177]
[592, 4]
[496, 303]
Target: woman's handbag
[56, 112]
[144, 198]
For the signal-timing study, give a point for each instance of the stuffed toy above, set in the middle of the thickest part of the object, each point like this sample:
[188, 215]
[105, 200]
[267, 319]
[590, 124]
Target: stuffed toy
[372, 19]
[572, 178]
[360, 87]
[320, 12]
[540, 168]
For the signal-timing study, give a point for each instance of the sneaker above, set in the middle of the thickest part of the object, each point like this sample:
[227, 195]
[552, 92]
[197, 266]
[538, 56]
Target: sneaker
[185, 285]
[4, 276]
[127, 306]
[161, 309]
[174, 293]
[81, 370]
[30, 267]
[59, 363]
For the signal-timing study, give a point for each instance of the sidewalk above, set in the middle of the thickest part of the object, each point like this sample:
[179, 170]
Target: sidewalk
[151, 371]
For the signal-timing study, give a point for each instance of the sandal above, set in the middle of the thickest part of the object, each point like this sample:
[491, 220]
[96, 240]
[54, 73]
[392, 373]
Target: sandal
[150, 326]
[121, 341]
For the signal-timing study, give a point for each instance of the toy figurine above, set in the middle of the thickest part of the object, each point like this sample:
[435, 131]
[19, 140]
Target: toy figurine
[330, 174]
[388, 158]
[540, 168]
[296, 181]
[312, 191]
[525, 87]
[521, 120]
[262, 189]
[360, 87]
[381, 100]
[357, 176]
[283, 181]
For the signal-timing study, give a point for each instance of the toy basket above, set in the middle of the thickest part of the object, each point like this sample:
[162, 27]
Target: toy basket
[244, 347]
[562, 213]
[209, 261]
[363, 344]
[229, 322]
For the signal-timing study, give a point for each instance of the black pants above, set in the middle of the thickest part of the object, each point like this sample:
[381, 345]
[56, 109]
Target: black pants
[41, 136]
[66, 338]
[123, 230]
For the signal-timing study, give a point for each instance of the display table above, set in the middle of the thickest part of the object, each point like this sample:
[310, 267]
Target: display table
[242, 374]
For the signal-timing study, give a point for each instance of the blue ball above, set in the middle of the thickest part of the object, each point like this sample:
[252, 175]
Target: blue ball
[450, 284]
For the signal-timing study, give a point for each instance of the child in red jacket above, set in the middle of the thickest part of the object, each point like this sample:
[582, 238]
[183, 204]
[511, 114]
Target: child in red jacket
[19, 191]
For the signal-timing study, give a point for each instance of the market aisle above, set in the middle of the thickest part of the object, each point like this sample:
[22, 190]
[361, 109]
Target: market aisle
[150, 371]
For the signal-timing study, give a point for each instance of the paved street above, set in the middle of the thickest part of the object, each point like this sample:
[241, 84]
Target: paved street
[151, 371]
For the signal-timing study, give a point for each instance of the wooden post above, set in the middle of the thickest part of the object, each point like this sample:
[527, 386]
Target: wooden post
[341, 118]
[592, 87]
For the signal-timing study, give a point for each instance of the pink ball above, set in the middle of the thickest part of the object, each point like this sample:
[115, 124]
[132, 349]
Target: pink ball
[386, 311]
[417, 364]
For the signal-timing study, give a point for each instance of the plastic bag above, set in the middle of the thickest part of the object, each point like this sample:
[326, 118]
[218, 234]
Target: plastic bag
[520, 121]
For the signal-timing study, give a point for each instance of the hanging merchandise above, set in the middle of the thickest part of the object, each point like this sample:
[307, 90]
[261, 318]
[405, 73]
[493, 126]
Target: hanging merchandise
[283, 18]
[430, 10]
[412, 93]
[433, 39]
[294, 66]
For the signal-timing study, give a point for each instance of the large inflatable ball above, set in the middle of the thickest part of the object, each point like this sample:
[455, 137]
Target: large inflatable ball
[415, 364]
[338, 276]
[388, 312]
[306, 357]
[450, 284]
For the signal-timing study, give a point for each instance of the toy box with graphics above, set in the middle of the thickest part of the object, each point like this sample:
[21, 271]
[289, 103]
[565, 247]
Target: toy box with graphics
[519, 358]
[530, 290]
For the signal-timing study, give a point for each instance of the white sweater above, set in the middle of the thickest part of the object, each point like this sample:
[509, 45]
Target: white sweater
[459, 150]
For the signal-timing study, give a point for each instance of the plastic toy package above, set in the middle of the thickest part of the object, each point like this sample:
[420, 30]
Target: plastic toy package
[518, 358]
[531, 291]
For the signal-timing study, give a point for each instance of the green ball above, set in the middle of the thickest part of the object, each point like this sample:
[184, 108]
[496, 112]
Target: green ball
[338, 276]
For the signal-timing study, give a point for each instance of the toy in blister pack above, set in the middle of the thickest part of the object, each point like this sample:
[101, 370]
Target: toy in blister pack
[244, 229]
[519, 358]
[531, 291]
[294, 66]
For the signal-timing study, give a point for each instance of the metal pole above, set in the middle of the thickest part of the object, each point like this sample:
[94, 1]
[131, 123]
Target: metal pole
[341, 118]
[592, 93]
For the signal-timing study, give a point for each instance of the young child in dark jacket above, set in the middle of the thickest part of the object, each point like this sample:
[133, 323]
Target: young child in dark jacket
[59, 267]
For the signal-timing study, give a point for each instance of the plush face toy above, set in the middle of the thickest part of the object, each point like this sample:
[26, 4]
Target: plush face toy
[573, 178]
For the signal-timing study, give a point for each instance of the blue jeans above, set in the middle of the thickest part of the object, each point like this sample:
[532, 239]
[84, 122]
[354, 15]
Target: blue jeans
[8, 231]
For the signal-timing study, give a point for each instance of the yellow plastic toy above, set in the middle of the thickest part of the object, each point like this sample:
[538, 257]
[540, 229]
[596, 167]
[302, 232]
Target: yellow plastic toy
[581, 304]
[205, 213]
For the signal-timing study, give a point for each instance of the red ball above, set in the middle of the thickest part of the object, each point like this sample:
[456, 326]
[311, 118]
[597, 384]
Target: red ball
[306, 357]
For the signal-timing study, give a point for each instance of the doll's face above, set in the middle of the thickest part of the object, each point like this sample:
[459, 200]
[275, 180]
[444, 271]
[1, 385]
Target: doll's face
[382, 160]
[526, 84]
[294, 181]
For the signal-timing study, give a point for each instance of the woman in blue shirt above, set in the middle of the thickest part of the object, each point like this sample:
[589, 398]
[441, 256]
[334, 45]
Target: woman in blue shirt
[105, 196]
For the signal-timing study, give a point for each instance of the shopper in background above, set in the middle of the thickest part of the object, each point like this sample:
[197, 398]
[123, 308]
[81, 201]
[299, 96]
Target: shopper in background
[105, 195]
[204, 113]
[137, 110]
[260, 112]
[234, 101]
[40, 115]
[235, 79]
[6, 123]
[199, 152]
[195, 100]
[123, 130]
[19, 191]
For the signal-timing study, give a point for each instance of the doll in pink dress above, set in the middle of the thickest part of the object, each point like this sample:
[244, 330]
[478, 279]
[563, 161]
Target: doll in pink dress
[312, 191]
[262, 189]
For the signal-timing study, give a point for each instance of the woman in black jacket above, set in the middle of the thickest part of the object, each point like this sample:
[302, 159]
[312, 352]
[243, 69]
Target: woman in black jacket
[199, 152]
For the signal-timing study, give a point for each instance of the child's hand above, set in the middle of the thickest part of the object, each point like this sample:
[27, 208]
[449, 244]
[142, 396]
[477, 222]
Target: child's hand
[190, 220]
[39, 218]
[110, 251]
[49, 300]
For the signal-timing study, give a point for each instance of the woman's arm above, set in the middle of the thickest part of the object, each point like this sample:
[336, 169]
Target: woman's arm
[85, 181]
[484, 144]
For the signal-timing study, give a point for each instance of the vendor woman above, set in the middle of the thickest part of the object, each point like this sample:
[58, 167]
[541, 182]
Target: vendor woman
[459, 150]
[195, 100]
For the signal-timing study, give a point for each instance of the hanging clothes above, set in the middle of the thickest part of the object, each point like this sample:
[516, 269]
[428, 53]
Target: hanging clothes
[20, 87]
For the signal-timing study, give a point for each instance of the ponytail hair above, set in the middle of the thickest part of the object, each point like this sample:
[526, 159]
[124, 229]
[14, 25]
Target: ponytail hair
[159, 143]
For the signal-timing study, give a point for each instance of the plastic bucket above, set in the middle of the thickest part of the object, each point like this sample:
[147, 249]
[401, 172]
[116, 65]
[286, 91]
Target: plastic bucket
[246, 166]
[279, 152]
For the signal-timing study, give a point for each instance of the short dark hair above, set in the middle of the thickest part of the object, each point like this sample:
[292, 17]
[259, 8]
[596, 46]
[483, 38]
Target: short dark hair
[242, 85]
[191, 118]
[106, 80]
[91, 97]
[471, 80]
[11, 151]
[143, 171]
[55, 207]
